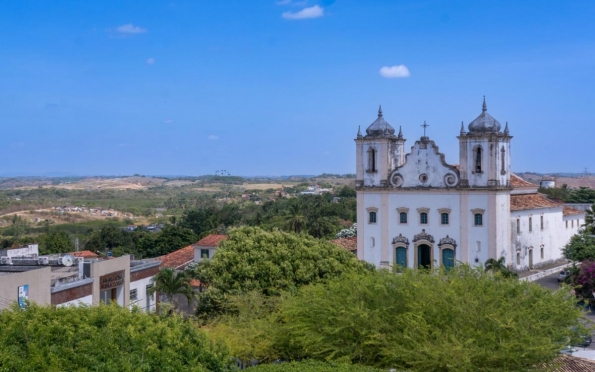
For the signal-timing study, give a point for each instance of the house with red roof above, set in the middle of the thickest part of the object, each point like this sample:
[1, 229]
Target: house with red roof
[206, 247]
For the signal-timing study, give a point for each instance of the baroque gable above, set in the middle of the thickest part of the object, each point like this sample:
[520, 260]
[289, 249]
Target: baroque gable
[424, 167]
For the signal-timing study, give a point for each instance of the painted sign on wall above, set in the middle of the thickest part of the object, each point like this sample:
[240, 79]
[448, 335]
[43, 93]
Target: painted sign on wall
[111, 280]
[23, 295]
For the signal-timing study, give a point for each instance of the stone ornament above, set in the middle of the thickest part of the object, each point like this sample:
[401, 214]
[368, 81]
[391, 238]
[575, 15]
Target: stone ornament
[451, 180]
[423, 236]
[447, 241]
[401, 240]
[396, 180]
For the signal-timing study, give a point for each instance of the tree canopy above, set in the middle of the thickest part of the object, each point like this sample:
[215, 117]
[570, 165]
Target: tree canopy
[313, 366]
[103, 338]
[581, 247]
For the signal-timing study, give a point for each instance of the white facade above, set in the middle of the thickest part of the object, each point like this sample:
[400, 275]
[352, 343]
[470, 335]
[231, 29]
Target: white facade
[417, 210]
[86, 300]
[139, 294]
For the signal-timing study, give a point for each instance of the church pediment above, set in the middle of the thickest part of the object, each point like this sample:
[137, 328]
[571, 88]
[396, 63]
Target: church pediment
[424, 167]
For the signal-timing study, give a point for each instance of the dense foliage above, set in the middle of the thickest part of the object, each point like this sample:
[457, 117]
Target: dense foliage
[580, 248]
[103, 338]
[568, 195]
[269, 262]
[461, 320]
[313, 366]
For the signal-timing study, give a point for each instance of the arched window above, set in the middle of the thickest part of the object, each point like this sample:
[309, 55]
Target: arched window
[518, 258]
[478, 153]
[444, 218]
[371, 159]
[403, 217]
[541, 222]
[478, 219]
[518, 226]
[372, 217]
[503, 161]
[530, 224]
[423, 218]
[542, 252]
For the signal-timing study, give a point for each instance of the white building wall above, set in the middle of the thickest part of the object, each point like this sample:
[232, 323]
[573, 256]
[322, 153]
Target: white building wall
[197, 253]
[477, 236]
[143, 301]
[371, 231]
[87, 300]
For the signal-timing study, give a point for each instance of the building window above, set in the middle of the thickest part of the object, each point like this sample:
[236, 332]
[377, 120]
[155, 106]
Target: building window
[541, 222]
[372, 217]
[133, 295]
[204, 253]
[572, 223]
[478, 154]
[371, 159]
[478, 219]
[403, 217]
[541, 253]
[502, 161]
[518, 258]
[530, 224]
[423, 218]
[518, 226]
[444, 218]
[566, 224]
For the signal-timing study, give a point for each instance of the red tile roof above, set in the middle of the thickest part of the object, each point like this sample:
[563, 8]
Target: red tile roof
[567, 363]
[348, 243]
[531, 201]
[516, 181]
[178, 259]
[211, 240]
[85, 254]
[569, 211]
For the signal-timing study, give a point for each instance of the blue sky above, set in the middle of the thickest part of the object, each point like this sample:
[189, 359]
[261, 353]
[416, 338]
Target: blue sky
[260, 87]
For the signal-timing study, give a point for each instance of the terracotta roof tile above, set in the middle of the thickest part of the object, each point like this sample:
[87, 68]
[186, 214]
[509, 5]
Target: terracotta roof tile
[85, 254]
[348, 243]
[516, 181]
[211, 240]
[569, 211]
[178, 259]
[531, 201]
[568, 363]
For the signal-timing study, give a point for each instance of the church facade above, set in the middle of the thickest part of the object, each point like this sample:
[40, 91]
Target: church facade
[416, 210]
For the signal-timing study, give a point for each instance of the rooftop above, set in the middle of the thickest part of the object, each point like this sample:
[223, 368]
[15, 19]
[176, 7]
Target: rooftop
[380, 127]
[178, 259]
[516, 182]
[531, 201]
[569, 211]
[348, 243]
[85, 254]
[211, 240]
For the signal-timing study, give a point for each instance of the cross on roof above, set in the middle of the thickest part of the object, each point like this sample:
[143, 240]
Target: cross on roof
[424, 125]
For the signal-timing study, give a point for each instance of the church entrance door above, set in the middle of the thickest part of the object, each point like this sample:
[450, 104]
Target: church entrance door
[424, 258]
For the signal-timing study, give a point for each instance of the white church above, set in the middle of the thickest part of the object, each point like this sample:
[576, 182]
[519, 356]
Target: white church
[416, 210]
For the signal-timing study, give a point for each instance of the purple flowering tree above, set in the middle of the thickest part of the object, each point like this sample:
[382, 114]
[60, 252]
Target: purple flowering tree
[586, 279]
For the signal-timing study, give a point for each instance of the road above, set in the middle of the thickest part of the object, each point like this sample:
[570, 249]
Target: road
[551, 282]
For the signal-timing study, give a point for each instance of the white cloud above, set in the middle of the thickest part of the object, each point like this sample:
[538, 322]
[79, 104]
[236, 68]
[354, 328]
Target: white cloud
[130, 29]
[398, 71]
[213, 137]
[150, 61]
[311, 12]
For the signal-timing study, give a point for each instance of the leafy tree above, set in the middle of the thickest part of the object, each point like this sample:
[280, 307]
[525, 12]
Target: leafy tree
[313, 366]
[580, 248]
[171, 282]
[55, 242]
[590, 219]
[170, 238]
[103, 338]
[458, 320]
[582, 195]
[295, 218]
[347, 192]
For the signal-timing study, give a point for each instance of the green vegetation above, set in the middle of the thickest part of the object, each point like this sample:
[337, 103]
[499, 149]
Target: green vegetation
[580, 248]
[313, 366]
[170, 282]
[565, 194]
[103, 338]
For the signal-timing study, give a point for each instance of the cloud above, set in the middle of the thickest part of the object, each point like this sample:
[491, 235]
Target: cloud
[168, 121]
[213, 137]
[311, 12]
[150, 61]
[130, 29]
[398, 71]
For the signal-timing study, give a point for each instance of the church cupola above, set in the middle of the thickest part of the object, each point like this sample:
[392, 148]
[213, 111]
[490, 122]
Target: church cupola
[379, 151]
[484, 152]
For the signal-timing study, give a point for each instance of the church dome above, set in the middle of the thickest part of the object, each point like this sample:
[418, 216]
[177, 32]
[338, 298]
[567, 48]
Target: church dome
[380, 127]
[484, 123]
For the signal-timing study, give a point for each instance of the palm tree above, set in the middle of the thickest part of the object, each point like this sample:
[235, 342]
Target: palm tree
[590, 219]
[499, 266]
[295, 218]
[170, 282]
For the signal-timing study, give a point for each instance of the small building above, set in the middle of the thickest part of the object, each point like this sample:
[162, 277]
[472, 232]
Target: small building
[207, 246]
[349, 244]
[547, 183]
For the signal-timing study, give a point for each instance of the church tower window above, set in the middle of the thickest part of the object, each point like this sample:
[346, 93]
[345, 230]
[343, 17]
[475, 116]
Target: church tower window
[502, 161]
[371, 159]
[478, 154]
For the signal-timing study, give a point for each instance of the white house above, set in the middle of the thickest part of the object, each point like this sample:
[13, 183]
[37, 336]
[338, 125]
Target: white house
[414, 209]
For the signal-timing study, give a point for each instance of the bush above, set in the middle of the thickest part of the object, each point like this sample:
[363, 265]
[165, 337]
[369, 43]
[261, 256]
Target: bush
[313, 366]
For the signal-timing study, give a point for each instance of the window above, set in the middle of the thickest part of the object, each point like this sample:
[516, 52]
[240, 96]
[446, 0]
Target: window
[478, 160]
[478, 219]
[204, 253]
[566, 224]
[423, 218]
[572, 223]
[133, 295]
[541, 222]
[444, 218]
[542, 253]
[371, 159]
[518, 226]
[518, 258]
[502, 161]
[401, 256]
[530, 224]
[403, 217]
[372, 217]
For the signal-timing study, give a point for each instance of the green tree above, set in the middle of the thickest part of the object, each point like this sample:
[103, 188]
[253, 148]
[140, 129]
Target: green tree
[170, 282]
[313, 366]
[580, 248]
[55, 242]
[463, 320]
[499, 266]
[104, 338]
[295, 218]
[590, 219]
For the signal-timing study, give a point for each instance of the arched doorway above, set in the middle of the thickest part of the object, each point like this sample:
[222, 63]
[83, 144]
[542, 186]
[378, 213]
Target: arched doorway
[424, 256]
[530, 259]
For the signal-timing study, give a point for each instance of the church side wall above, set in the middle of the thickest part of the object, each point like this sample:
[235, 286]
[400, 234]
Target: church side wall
[371, 231]
[478, 236]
